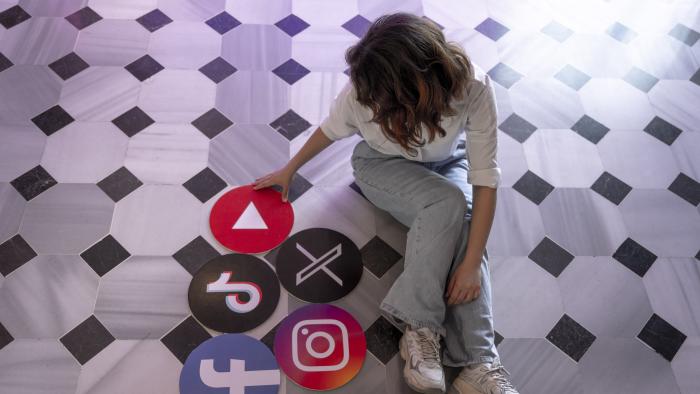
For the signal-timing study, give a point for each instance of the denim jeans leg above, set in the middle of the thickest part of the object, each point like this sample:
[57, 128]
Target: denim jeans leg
[433, 208]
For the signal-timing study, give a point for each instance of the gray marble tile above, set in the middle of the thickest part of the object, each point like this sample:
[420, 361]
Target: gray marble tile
[144, 220]
[684, 365]
[55, 9]
[259, 12]
[671, 284]
[685, 152]
[31, 366]
[605, 297]
[241, 47]
[616, 104]
[625, 154]
[322, 47]
[201, 43]
[177, 96]
[48, 296]
[662, 222]
[596, 54]
[675, 101]
[191, 10]
[12, 206]
[101, 144]
[100, 93]
[517, 226]
[112, 42]
[252, 97]
[39, 40]
[26, 91]
[583, 222]
[563, 158]
[124, 9]
[531, 53]
[546, 103]
[664, 57]
[131, 366]
[67, 218]
[526, 298]
[143, 297]
[167, 153]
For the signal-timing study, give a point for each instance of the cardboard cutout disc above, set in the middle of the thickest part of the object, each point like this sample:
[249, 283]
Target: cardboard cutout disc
[234, 293]
[320, 347]
[319, 265]
[230, 363]
[251, 221]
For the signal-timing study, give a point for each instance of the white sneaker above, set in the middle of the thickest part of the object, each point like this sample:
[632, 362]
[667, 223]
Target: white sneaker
[423, 370]
[483, 378]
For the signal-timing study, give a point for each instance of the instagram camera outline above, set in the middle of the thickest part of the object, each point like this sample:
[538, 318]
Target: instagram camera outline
[320, 368]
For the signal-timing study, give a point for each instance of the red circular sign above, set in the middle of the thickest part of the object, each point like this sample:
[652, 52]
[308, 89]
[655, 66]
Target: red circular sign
[251, 221]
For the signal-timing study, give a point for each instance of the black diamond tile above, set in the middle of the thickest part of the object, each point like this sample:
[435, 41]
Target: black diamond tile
[696, 78]
[218, 69]
[205, 185]
[358, 25]
[550, 256]
[491, 29]
[144, 67]
[13, 16]
[184, 338]
[640, 79]
[663, 130]
[292, 25]
[517, 127]
[5, 63]
[378, 256]
[33, 182]
[133, 121]
[557, 31]
[290, 71]
[297, 187]
[212, 123]
[383, 339]
[83, 18]
[69, 65]
[269, 338]
[611, 188]
[195, 254]
[153, 20]
[290, 125]
[590, 129]
[661, 336]
[634, 256]
[697, 255]
[571, 337]
[5, 337]
[105, 255]
[684, 34]
[533, 187]
[620, 32]
[498, 338]
[119, 184]
[356, 188]
[223, 22]
[687, 188]
[572, 77]
[52, 120]
[14, 253]
[87, 339]
[504, 75]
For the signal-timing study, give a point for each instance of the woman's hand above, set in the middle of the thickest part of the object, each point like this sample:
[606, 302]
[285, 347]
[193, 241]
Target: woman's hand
[282, 177]
[464, 285]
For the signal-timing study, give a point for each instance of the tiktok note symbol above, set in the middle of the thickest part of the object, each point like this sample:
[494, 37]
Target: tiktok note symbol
[233, 302]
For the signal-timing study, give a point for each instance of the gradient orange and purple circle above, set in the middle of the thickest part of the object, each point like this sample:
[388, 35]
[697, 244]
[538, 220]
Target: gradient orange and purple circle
[317, 335]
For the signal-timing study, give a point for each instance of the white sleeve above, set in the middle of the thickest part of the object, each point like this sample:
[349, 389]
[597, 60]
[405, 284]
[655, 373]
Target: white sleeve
[341, 121]
[482, 143]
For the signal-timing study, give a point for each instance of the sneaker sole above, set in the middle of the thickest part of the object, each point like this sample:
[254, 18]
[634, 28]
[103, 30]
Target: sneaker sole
[470, 390]
[410, 381]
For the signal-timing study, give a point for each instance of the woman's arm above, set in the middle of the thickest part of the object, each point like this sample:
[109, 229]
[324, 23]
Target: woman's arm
[315, 144]
[483, 212]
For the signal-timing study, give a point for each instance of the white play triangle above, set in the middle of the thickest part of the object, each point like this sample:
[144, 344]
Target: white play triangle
[250, 219]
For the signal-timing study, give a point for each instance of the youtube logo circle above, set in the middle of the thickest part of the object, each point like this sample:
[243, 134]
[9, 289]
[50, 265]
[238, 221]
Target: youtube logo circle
[246, 220]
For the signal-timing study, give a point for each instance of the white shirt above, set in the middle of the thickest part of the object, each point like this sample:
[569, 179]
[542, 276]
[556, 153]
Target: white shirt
[476, 114]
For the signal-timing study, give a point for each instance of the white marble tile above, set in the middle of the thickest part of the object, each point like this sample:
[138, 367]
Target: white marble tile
[191, 10]
[33, 366]
[39, 40]
[684, 365]
[616, 104]
[252, 97]
[676, 102]
[672, 286]
[12, 206]
[123, 9]
[241, 47]
[322, 48]
[177, 96]
[112, 42]
[546, 102]
[260, 12]
[25, 92]
[517, 226]
[200, 42]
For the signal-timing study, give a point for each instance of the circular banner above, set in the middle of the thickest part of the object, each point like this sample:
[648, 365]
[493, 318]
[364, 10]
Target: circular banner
[234, 293]
[251, 221]
[319, 265]
[320, 347]
[230, 363]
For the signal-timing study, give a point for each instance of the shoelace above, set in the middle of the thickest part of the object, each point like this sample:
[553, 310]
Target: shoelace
[501, 380]
[429, 347]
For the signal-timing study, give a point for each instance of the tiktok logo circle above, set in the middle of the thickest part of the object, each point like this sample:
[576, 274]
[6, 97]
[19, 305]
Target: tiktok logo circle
[234, 293]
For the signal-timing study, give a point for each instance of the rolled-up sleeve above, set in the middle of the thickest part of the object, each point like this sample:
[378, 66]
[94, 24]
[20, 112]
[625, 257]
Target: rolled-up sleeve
[481, 136]
[341, 121]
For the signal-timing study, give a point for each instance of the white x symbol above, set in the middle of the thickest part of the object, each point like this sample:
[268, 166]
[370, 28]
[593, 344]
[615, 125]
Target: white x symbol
[318, 264]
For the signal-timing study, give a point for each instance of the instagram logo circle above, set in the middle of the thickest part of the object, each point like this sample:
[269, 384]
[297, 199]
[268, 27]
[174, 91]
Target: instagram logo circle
[320, 347]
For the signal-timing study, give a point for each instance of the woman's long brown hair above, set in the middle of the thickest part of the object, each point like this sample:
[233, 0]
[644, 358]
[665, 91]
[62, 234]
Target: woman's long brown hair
[407, 73]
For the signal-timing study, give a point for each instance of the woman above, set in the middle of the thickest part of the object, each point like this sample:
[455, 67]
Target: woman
[405, 81]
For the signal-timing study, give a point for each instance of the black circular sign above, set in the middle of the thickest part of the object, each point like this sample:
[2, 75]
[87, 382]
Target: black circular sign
[234, 293]
[319, 265]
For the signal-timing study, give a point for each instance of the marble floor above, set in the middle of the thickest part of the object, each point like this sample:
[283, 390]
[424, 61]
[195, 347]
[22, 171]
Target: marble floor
[122, 122]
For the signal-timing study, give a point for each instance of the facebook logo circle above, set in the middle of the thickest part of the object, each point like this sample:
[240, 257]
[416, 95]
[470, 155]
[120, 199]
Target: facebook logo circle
[230, 364]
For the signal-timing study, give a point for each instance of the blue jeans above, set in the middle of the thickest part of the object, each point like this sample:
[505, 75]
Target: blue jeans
[434, 200]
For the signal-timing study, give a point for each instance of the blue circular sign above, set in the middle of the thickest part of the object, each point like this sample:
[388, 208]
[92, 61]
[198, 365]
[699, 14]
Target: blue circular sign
[228, 364]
